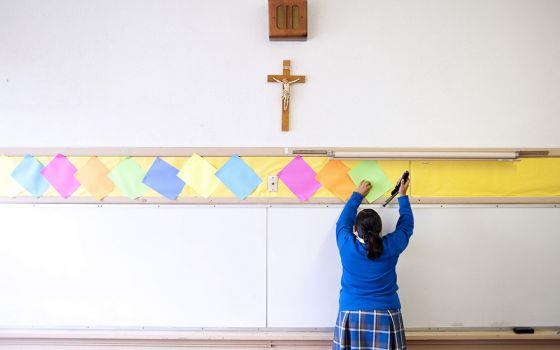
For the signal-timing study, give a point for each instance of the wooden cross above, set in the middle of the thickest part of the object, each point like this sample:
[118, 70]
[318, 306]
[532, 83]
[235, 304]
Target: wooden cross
[286, 80]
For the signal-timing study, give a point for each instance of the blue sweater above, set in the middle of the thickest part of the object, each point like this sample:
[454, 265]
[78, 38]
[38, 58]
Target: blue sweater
[370, 284]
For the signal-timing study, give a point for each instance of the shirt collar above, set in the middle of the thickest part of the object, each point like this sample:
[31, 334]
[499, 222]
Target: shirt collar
[358, 237]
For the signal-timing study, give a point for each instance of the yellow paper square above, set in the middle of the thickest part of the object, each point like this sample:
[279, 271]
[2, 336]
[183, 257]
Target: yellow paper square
[198, 173]
[8, 186]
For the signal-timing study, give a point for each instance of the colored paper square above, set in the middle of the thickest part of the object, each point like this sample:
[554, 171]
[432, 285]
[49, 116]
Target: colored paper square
[128, 176]
[94, 177]
[238, 177]
[28, 174]
[300, 178]
[8, 185]
[162, 177]
[334, 177]
[60, 173]
[369, 170]
[199, 174]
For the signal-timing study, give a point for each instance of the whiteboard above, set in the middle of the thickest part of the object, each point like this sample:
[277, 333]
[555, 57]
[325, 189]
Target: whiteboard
[132, 266]
[464, 267]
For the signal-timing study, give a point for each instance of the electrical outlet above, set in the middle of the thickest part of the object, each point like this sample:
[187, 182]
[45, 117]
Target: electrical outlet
[273, 183]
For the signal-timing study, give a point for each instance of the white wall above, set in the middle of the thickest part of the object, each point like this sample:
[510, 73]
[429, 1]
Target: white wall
[193, 73]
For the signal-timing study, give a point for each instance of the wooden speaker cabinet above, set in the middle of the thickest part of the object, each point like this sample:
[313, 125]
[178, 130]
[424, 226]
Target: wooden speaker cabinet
[287, 19]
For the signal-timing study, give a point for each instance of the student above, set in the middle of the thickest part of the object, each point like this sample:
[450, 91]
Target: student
[369, 314]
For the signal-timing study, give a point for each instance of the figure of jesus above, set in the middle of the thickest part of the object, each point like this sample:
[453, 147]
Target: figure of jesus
[285, 91]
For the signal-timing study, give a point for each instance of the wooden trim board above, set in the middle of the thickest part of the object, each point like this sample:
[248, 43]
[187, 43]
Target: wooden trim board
[259, 338]
[241, 151]
[552, 201]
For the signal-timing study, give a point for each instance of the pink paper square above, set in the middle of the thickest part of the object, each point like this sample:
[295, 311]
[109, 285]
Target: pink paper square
[300, 178]
[60, 173]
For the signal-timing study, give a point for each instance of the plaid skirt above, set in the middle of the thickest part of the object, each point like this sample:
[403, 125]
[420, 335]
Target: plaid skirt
[373, 330]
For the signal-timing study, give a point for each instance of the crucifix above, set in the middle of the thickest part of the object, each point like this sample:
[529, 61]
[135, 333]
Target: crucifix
[286, 80]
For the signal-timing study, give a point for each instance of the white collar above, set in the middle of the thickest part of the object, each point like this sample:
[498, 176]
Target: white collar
[361, 240]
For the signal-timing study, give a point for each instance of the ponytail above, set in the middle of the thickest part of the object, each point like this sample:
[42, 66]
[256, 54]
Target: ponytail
[374, 245]
[368, 224]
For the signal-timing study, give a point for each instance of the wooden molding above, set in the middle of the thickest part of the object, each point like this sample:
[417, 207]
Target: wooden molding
[257, 338]
[485, 200]
[548, 201]
[244, 151]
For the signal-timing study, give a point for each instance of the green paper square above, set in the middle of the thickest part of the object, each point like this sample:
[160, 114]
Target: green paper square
[128, 176]
[369, 170]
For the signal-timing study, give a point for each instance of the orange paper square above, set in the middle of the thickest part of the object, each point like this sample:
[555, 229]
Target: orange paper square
[334, 176]
[93, 176]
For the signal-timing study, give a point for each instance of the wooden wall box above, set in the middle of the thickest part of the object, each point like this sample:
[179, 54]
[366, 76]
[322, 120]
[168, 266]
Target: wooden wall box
[287, 19]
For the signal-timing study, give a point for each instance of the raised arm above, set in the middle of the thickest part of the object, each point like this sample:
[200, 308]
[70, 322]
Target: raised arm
[347, 219]
[398, 240]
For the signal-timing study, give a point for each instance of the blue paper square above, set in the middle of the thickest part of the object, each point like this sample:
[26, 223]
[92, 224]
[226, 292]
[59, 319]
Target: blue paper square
[28, 174]
[238, 177]
[162, 177]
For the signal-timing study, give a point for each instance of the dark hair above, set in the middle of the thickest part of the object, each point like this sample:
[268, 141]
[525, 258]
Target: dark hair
[368, 224]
